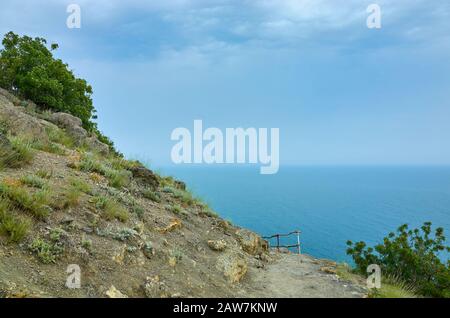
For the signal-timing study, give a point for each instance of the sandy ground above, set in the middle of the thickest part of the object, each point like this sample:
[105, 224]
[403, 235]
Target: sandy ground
[300, 276]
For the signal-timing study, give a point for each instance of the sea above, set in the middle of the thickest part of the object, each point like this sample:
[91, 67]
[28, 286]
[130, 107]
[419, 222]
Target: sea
[329, 205]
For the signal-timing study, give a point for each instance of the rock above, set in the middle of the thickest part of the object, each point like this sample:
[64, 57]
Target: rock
[251, 242]
[328, 270]
[73, 126]
[145, 175]
[174, 224]
[112, 292]
[218, 245]
[65, 120]
[96, 144]
[9, 97]
[233, 266]
[153, 287]
[20, 123]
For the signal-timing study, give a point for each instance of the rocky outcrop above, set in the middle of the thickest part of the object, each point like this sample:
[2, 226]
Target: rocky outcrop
[217, 245]
[4, 94]
[145, 175]
[20, 123]
[73, 126]
[251, 242]
[233, 266]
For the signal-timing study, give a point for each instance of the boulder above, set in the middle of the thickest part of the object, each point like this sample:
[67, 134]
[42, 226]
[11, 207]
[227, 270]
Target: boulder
[251, 242]
[233, 266]
[71, 124]
[8, 96]
[145, 175]
[94, 143]
[218, 245]
[20, 123]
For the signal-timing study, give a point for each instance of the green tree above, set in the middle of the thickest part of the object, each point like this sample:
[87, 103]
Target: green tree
[411, 255]
[28, 69]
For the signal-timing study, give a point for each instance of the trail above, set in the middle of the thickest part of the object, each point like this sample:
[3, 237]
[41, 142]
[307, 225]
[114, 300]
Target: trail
[301, 276]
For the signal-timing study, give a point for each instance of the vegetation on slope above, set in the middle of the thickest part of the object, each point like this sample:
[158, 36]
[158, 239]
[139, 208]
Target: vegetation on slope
[411, 256]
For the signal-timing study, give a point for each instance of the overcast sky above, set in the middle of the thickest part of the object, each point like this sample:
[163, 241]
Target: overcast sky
[339, 92]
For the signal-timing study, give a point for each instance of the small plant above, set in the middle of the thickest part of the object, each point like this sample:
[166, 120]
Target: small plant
[86, 243]
[36, 203]
[13, 226]
[151, 195]
[69, 197]
[394, 287]
[206, 210]
[111, 209]
[22, 154]
[116, 178]
[47, 252]
[80, 185]
[44, 174]
[137, 209]
[168, 189]
[56, 234]
[176, 209]
[34, 181]
[59, 136]
[48, 146]
[125, 234]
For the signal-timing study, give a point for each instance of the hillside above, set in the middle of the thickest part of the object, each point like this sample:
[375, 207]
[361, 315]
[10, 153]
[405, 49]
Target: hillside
[66, 199]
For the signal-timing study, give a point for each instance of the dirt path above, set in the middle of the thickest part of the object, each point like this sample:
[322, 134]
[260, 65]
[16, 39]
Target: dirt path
[301, 276]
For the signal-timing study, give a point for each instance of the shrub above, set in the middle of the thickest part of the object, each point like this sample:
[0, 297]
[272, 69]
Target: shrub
[11, 225]
[410, 255]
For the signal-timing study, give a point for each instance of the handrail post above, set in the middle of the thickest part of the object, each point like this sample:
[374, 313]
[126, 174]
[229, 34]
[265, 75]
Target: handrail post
[278, 242]
[298, 242]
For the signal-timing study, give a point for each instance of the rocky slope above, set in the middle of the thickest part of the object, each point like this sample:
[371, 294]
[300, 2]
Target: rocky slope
[65, 199]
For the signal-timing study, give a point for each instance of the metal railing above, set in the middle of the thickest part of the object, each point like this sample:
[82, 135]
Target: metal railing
[278, 246]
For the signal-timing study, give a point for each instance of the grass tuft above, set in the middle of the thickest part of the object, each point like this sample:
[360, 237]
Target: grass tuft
[11, 225]
[34, 203]
[111, 209]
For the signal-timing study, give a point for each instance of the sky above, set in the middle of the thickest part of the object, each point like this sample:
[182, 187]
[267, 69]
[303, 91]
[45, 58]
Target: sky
[340, 93]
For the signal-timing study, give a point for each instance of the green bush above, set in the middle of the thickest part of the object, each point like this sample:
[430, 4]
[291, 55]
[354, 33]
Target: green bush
[411, 256]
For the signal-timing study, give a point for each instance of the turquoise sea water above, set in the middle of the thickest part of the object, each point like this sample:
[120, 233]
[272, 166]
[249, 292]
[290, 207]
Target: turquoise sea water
[330, 205]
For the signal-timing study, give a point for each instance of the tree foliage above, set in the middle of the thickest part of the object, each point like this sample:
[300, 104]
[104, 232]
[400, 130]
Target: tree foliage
[29, 70]
[412, 255]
